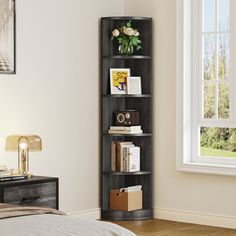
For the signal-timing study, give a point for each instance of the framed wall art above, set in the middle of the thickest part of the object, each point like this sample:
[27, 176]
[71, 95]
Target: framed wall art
[7, 37]
[118, 80]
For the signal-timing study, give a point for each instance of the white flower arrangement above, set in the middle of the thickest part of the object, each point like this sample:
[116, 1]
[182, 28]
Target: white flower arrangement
[128, 39]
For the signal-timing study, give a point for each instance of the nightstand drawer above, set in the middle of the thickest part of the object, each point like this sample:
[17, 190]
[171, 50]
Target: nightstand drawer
[42, 194]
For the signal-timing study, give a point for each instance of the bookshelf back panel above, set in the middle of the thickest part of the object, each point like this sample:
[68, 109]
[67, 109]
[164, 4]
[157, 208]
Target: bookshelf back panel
[111, 46]
[112, 105]
[139, 67]
[117, 182]
[106, 26]
[145, 144]
[144, 107]
[106, 154]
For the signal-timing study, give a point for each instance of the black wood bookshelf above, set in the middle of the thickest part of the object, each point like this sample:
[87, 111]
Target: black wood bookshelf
[140, 64]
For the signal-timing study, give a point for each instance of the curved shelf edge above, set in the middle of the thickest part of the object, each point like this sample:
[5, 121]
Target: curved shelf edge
[127, 18]
[127, 215]
[127, 173]
[138, 57]
[127, 96]
[131, 135]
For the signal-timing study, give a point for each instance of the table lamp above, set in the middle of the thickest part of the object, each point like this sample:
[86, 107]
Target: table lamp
[23, 144]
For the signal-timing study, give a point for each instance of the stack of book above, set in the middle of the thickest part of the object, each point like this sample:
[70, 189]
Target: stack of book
[125, 157]
[125, 130]
[8, 175]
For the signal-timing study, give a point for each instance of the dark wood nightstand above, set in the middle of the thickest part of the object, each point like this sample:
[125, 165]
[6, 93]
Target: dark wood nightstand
[34, 191]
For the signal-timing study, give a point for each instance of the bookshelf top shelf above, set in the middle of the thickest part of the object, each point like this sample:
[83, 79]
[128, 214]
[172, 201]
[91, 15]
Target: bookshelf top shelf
[127, 18]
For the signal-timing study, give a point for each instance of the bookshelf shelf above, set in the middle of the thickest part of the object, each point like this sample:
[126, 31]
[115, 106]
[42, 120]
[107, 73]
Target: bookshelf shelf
[127, 96]
[138, 57]
[136, 135]
[140, 64]
[127, 173]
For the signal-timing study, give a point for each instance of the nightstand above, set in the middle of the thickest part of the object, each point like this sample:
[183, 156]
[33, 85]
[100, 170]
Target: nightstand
[35, 191]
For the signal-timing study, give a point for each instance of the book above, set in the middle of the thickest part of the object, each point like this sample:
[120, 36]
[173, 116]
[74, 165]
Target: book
[128, 128]
[125, 131]
[122, 155]
[12, 177]
[132, 159]
[125, 157]
[113, 156]
[119, 154]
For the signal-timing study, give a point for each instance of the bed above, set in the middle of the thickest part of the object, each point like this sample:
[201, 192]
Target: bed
[36, 221]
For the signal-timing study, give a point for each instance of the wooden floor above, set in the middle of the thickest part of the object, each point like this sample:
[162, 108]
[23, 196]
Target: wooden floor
[165, 228]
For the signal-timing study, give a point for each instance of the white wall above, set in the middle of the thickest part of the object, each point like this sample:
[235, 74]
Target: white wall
[177, 192]
[55, 93]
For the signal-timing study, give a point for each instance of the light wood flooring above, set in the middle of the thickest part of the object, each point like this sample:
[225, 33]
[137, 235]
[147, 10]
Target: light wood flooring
[156, 227]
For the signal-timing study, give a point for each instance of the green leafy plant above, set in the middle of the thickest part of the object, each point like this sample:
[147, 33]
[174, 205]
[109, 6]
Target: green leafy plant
[128, 38]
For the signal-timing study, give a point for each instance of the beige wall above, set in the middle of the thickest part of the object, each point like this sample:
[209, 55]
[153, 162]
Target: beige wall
[196, 193]
[55, 93]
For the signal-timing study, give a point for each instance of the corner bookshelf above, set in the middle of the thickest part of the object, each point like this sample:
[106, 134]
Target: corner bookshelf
[140, 64]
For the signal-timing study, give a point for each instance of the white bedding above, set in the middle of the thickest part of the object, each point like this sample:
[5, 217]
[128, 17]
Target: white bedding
[56, 225]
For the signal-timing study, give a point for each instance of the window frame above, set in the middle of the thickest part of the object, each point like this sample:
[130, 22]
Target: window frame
[187, 118]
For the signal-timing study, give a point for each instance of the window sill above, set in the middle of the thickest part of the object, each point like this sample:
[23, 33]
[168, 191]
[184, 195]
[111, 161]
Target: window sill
[203, 168]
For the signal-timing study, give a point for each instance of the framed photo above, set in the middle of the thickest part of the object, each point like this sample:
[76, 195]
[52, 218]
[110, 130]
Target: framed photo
[118, 80]
[7, 36]
[134, 85]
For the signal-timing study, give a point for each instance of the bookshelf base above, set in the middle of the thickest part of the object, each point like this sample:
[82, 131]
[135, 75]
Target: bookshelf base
[127, 215]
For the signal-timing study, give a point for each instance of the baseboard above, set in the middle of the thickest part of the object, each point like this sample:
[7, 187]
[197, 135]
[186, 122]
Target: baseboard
[195, 218]
[93, 214]
[173, 215]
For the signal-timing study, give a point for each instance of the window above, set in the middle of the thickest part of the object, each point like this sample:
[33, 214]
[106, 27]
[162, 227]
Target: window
[206, 86]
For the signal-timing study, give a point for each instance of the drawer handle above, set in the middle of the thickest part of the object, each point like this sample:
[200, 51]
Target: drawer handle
[25, 199]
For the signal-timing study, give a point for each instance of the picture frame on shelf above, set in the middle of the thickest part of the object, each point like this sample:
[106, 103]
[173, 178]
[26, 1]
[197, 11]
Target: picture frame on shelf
[118, 80]
[134, 85]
